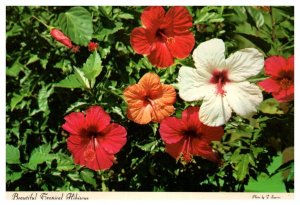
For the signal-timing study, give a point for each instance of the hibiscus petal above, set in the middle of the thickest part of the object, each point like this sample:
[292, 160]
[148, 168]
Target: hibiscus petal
[214, 110]
[168, 94]
[274, 65]
[97, 117]
[103, 159]
[284, 95]
[75, 122]
[176, 149]
[243, 97]
[290, 63]
[162, 107]
[160, 112]
[150, 82]
[212, 133]
[178, 19]
[244, 64]
[140, 41]
[160, 55]
[201, 148]
[209, 55]
[141, 115]
[190, 117]
[113, 138]
[76, 145]
[152, 17]
[181, 46]
[89, 153]
[270, 85]
[139, 109]
[192, 86]
[171, 130]
[134, 93]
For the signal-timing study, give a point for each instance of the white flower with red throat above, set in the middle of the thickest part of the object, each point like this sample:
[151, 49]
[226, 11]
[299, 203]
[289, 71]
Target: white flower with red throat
[222, 83]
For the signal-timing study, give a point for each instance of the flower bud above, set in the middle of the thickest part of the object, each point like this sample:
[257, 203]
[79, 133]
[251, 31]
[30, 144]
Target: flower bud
[61, 37]
[92, 46]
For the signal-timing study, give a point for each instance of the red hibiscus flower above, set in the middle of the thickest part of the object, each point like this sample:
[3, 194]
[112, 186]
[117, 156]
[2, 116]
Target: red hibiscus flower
[164, 36]
[149, 100]
[189, 137]
[281, 81]
[93, 140]
[61, 37]
[93, 46]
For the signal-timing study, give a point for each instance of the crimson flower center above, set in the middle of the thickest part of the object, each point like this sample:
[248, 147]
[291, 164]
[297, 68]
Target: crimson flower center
[286, 79]
[162, 36]
[90, 132]
[220, 78]
[191, 132]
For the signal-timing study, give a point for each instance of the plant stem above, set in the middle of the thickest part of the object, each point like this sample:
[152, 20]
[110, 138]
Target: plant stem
[273, 26]
[41, 22]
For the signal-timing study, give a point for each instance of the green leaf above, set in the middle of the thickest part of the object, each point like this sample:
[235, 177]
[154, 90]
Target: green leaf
[15, 69]
[14, 176]
[106, 32]
[43, 96]
[242, 167]
[149, 147]
[256, 151]
[75, 106]
[206, 15]
[64, 163]
[40, 155]
[255, 17]
[74, 176]
[106, 11]
[12, 154]
[270, 106]
[14, 31]
[32, 59]
[259, 42]
[251, 160]
[126, 16]
[77, 24]
[65, 65]
[15, 100]
[88, 177]
[81, 78]
[265, 183]
[70, 81]
[236, 156]
[92, 67]
[283, 167]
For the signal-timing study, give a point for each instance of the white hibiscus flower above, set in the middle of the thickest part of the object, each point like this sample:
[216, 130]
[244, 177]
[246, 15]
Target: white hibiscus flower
[222, 83]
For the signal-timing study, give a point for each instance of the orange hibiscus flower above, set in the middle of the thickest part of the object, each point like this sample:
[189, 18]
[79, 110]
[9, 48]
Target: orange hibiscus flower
[149, 100]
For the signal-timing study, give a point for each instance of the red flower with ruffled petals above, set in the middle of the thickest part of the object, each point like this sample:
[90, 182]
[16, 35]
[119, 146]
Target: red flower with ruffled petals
[281, 81]
[93, 140]
[164, 36]
[188, 136]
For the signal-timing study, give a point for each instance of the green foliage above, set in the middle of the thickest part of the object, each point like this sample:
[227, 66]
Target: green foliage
[45, 81]
[270, 106]
[12, 155]
[40, 155]
[269, 183]
[92, 68]
[77, 24]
